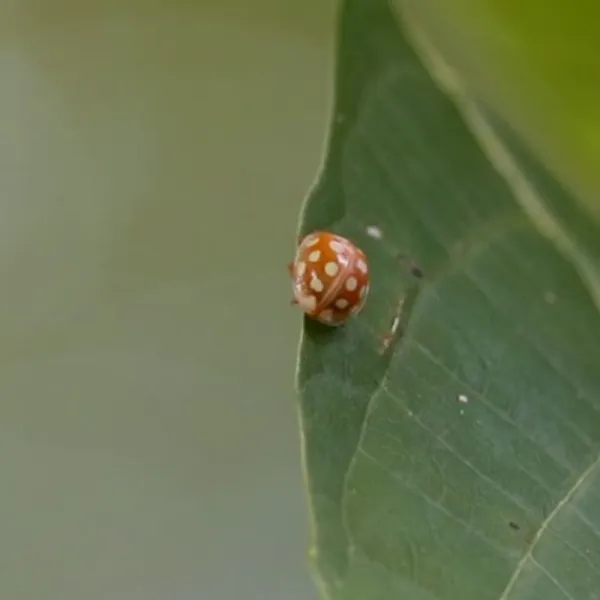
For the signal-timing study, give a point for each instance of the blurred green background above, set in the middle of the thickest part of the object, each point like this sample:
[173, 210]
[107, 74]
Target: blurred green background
[153, 161]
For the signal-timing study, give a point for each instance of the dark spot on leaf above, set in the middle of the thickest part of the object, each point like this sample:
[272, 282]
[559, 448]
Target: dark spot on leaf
[514, 525]
[417, 272]
[413, 267]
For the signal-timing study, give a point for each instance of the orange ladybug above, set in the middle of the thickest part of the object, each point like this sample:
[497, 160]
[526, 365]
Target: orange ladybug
[330, 278]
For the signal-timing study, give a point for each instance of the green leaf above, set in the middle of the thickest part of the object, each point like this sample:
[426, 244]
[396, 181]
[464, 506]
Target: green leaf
[463, 463]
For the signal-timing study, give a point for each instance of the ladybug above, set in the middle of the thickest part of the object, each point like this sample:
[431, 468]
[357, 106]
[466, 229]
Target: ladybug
[330, 278]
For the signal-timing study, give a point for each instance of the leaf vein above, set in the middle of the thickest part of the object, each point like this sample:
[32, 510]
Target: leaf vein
[435, 504]
[578, 552]
[526, 337]
[455, 453]
[488, 403]
[552, 579]
[538, 536]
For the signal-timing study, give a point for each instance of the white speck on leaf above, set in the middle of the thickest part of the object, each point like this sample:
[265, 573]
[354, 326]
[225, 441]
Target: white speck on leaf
[374, 232]
[550, 297]
[462, 412]
[463, 399]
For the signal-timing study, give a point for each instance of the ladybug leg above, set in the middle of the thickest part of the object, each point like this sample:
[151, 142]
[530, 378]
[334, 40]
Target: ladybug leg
[293, 302]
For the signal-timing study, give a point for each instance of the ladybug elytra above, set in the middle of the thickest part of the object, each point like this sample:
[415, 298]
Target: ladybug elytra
[330, 278]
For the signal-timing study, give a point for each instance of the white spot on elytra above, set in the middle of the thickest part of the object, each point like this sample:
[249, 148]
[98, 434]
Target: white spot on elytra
[316, 284]
[351, 284]
[374, 232]
[341, 303]
[463, 399]
[311, 241]
[307, 303]
[300, 268]
[326, 315]
[314, 256]
[362, 265]
[331, 268]
[336, 246]
[363, 291]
